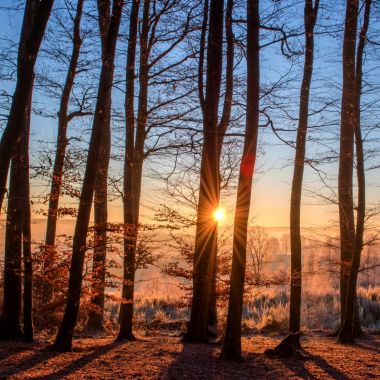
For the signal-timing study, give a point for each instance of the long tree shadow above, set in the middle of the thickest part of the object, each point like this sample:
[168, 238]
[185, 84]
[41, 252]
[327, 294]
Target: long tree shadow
[76, 365]
[28, 362]
[202, 362]
[333, 372]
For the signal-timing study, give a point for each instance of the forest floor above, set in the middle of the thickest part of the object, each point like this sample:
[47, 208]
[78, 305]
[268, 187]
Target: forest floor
[161, 355]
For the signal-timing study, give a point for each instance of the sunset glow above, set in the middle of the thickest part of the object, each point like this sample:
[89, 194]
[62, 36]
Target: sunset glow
[219, 214]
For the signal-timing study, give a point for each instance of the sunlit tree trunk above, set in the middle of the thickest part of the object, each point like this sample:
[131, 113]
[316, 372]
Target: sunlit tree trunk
[310, 17]
[206, 238]
[25, 77]
[56, 184]
[63, 341]
[130, 225]
[348, 124]
[349, 329]
[232, 337]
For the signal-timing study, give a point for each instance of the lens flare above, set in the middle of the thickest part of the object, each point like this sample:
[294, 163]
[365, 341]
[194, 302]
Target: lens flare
[219, 214]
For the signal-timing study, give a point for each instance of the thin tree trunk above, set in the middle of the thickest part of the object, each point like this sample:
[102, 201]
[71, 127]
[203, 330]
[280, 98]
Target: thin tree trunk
[96, 317]
[63, 341]
[59, 161]
[232, 337]
[348, 123]
[349, 330]
[25, 76]
[132, 171]
[310, 17]
[206, 242]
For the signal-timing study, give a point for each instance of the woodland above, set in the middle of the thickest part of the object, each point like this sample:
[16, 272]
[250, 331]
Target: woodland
[189, 189]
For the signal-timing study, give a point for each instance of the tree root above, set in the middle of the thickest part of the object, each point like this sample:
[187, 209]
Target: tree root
[289, 346]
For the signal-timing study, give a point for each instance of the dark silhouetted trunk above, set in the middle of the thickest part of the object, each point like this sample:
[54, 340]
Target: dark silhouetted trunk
[63, 340]
[132, 171]
[351, 324]
[10, 327]
[206, 237]
[232, 337]
[310, 17]
[59, 161]
[26, 228]
[28, 52]
[222, 128]
[96, 317]
[348, 123]
[18, 215]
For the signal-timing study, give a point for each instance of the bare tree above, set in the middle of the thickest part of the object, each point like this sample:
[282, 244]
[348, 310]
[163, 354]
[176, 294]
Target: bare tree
[28, 53]
[63, 340]
[348, 330]
[64, 118]
[231, 348]
[206, 237]
[310, 18]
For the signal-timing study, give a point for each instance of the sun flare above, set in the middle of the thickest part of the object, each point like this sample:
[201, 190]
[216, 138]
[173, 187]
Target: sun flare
[219, 214]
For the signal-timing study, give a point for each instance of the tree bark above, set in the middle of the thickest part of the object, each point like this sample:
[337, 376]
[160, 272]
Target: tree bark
[10, 327]
[206, 242]
[26, 228]
[19, 211]
[63, 341]
[59, 161]
[25, 76]
[222, 128]
[232, 337]
[310, 17]
[349, 330]
[132, 171]
[96, 316]
[348, 123]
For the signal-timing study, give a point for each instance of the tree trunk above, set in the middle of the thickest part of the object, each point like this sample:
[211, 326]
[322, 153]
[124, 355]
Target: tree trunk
[96, 317]
[131, 171]
[26, 228]
[232, 337]
[63, 340]
[351, 319]
[18, 206]
[28, 52]
[222, 128]
[206, 242]
[348, 123]
[55, 190]
[310, 17]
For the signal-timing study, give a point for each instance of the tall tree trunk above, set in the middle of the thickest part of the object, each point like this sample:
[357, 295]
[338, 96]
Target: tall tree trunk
[55, 190]
[26, 229]
[222, 128]
[96, 317]
[232, 337]
[63, 341]
[132, 171]
[348, 123]
[349, 330]
[205, 241]
[28, 53]
[310, 17]
[17, 209]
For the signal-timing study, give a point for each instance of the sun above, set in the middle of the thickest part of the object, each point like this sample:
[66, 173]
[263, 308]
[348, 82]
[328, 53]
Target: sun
[219, 214]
